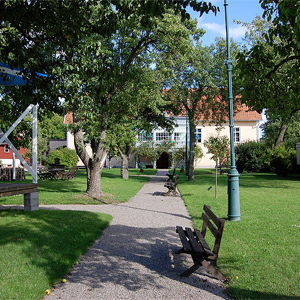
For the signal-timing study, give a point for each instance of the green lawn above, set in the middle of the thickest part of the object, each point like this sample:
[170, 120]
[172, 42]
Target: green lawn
[260, 253]
[37, 249]
[73, 191]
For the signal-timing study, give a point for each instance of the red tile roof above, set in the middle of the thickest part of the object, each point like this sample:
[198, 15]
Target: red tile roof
[244, 113]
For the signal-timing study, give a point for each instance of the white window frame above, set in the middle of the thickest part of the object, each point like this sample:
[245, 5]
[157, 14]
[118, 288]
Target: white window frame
[179, 136]
[6, 149]
[198, 131]
[237, 134]
[162, 136]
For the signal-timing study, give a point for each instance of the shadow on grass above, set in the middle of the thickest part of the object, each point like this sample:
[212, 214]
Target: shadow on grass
[248, 294]
[52, 240]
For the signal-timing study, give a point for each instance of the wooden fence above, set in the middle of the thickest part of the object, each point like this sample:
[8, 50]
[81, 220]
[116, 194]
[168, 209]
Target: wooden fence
[6, 174]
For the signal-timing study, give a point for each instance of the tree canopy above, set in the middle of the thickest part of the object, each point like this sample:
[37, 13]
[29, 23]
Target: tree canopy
[269, 70]
[92, 52]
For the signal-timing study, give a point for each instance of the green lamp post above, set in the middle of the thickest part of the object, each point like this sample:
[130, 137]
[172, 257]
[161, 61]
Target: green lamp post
[233, 175]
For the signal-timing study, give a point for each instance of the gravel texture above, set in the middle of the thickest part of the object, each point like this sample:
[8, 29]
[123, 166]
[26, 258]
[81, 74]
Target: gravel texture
[135, 256]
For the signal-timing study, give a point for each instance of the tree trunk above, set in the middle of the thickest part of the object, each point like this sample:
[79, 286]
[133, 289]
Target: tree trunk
[94, 181]
[94, 164]
[125, 162]
[281, 135]
[124, 166]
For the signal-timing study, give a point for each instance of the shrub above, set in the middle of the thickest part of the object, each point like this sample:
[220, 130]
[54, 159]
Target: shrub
[218, 146]
[66, 156]
[283, 160]
[252, 157]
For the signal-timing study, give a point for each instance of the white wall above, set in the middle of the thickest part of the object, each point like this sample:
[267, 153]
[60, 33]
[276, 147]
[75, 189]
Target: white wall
[249, 130]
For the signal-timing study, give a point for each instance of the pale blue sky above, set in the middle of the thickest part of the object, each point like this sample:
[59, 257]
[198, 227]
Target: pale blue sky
[242, 10]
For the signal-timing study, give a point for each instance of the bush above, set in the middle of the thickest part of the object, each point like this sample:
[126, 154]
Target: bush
[283, 160]
[66, 156]
[252, 157]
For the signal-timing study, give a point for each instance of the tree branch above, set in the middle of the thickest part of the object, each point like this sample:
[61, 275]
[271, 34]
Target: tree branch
[287, 59]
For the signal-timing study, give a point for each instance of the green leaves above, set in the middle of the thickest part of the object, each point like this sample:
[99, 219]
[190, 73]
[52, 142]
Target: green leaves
[218, 146]
[269, 71]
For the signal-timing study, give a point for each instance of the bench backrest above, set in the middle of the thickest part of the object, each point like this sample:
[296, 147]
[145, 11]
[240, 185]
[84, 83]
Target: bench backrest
[73, 169]
[176, 179]
[215, 225]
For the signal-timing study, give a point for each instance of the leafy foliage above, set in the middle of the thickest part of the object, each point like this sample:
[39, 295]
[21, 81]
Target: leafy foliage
[66, 156]
[197, 87]
[97, 55]
[218, 146]
[270, 69]
[251, 157]
[292, 135]
[283, 160]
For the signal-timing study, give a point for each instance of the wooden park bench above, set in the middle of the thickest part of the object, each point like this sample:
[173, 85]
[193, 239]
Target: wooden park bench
[172, 186]
[171, 176]
[31, 196]
[70, 174]
[194, 243]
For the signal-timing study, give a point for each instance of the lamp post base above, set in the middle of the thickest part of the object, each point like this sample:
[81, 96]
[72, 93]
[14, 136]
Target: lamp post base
[234, 213]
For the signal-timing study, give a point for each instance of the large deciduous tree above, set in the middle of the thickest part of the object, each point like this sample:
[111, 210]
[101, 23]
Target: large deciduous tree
[270, 69]
[198, 89]
[90, 51]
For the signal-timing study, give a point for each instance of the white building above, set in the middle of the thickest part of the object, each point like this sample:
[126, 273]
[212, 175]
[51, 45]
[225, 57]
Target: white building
[246, 128]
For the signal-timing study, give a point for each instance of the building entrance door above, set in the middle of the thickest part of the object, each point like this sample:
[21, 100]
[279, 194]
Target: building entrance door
[163, 161]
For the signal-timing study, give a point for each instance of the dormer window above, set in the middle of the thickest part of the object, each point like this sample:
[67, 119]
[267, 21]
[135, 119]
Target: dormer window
[6, 149]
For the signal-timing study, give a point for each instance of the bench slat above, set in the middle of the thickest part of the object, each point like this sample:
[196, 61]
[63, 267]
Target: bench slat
[216, 220]
[196, 247]
[11, 189]
[184, 241]
[203, 243]
[211, 227]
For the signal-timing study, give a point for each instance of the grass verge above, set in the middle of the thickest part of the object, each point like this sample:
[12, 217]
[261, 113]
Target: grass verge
[38, 248]
[260, 254]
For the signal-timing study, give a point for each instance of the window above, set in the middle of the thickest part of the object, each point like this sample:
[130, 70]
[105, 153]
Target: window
[143, 136]
[162, 136]
[198, 135]
[236, 134]
[179, 136]
[6, 149]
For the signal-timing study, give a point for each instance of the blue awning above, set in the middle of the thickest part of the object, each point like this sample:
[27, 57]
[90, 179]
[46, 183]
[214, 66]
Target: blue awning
[12, 76]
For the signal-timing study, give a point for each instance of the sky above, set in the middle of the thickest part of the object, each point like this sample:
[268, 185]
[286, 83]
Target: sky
[242, 10]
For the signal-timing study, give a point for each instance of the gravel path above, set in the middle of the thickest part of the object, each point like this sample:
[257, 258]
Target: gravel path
[135, 257]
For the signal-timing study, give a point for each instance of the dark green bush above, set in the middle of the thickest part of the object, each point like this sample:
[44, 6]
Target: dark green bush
[251, 157]
[66, 156]
[283, 160]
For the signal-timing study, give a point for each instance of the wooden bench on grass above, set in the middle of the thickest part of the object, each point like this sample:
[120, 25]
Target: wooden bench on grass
[70, 174]
[172, 186]
[194, 243]
[171, 176]
[31, 196]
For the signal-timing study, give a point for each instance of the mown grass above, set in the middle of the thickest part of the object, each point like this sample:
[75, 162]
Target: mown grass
[38, 248]
[73, 191]
[261, 253]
